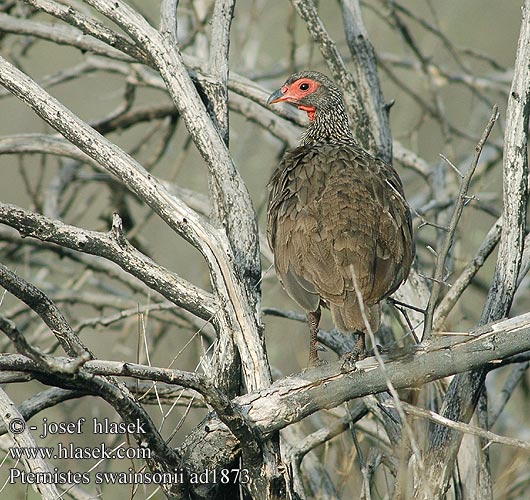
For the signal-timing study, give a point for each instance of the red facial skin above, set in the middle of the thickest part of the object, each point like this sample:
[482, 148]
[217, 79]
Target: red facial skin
[294, 93]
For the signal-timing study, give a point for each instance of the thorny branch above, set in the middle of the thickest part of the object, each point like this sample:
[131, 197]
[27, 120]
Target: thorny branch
[439, 270]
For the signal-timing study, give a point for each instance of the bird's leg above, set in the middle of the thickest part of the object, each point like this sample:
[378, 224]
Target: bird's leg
[358, 353]
[313, 319]
[359, 349]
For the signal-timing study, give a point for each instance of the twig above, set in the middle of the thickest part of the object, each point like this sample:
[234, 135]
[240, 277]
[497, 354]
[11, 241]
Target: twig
[124, 313]
[462, 427]
[174, 288]
[448, 240]
[410, 159]
[466, 276]
[452, 165]
[325, 434]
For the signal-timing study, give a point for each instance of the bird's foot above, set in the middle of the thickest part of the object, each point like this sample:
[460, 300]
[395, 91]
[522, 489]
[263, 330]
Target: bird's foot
[314, 360]
[317, 362]
[350, 359]
[314, 348]
[380, 350]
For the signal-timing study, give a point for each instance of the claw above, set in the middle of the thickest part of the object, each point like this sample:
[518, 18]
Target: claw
[318, 362]
[348, 363]
[355, 355]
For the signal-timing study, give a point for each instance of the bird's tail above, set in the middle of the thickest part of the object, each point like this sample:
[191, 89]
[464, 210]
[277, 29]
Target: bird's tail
[349, 317]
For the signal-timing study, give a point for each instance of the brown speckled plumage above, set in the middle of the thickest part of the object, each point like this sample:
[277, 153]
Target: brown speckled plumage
[334, 208]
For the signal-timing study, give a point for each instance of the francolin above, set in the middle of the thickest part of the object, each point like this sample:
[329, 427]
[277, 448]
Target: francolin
[338, 222]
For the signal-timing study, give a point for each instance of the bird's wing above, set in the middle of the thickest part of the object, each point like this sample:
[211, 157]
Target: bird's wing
[380, 200]
[333, 214]
[282, 206]
[395, 241]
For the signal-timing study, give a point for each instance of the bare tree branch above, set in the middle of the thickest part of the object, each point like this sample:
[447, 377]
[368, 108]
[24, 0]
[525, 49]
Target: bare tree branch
[165, 93]
[464, 428]
[116, 249]
[293, 398]
[365, 66]
[465, 389]
[462, 282]
[13, 420]
[439, 271]
[46, 309]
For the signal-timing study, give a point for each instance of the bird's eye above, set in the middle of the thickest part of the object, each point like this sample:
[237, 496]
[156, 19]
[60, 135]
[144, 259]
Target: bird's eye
[304, 86]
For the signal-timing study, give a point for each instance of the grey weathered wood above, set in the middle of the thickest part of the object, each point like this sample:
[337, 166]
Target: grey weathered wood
[465, 389]
[24, 439]
[295, 397]
[173, 287]
[238, 218]
[366, 76]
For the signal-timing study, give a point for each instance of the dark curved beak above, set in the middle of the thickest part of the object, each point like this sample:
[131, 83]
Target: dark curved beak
[276, 96]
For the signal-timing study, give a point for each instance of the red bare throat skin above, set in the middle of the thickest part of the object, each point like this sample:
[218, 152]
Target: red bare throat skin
[310, 110]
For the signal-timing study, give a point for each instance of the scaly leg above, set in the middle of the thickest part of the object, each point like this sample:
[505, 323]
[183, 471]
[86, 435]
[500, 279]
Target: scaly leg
[313, 319]
[358, 353]
[359, 349]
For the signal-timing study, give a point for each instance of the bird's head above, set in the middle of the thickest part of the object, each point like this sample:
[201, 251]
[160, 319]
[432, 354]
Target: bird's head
[309, 91]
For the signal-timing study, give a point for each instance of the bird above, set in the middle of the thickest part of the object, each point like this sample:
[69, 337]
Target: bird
[338, 223]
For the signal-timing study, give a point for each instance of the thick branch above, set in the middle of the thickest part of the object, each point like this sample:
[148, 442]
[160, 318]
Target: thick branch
[12, 417]
[90, 26]
[237, 208]
[218, 64]
[465, 389]
[170, 285]
[366, 77]
[211, 242]
[515, 181]
[46, 309]
[241, 277]
[293, 398]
